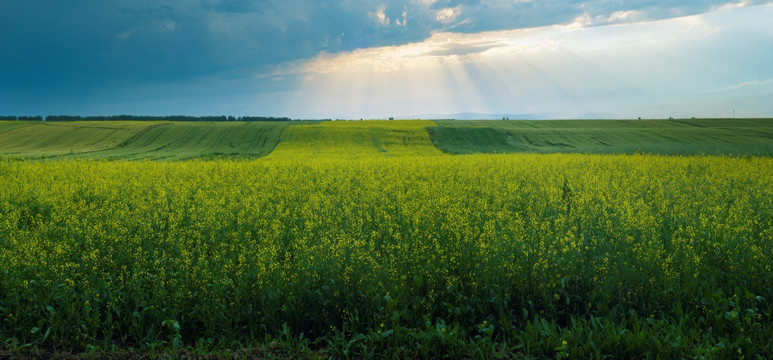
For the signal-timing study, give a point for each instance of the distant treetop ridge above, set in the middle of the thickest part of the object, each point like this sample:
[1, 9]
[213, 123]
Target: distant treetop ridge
[144, 118]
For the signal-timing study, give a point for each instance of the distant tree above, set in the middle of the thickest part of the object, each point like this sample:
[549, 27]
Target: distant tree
[66, 118]
[143, 118]
[263, 118]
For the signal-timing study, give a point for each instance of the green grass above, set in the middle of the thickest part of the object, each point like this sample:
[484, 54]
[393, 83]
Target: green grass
[10, 125]
[356, 139]
[185, 140]
[138, 140]
[38, 139]
[670, 137]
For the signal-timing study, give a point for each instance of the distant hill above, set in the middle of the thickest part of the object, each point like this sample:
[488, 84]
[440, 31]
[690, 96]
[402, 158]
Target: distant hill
[138, 139]
[180, 140]
[673, 137]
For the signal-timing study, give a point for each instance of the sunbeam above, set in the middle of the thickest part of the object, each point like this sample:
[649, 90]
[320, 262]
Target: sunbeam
[642, 68]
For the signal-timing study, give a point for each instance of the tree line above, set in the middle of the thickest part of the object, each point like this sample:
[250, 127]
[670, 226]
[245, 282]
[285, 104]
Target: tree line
[144, 118]
[26, 118]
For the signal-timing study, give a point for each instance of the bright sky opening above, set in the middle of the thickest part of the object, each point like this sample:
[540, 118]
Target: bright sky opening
[379, 59]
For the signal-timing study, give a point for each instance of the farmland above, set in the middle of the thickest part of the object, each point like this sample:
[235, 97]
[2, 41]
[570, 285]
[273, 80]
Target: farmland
[363, 239]
[355, 140]
[138, 139]
[672, 137]
[186, 140]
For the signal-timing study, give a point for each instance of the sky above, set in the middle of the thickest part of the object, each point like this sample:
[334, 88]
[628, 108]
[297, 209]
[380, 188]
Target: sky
[313, 59]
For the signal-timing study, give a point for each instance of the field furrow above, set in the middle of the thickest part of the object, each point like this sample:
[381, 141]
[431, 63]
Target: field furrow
[669, 137]
[356, 139]
[139, 140]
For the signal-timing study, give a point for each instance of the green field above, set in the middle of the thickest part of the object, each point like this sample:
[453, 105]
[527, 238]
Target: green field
[371, 239]
[672, 137]
[37, 139]
[138, 140]
[353, 139]
[356, 140]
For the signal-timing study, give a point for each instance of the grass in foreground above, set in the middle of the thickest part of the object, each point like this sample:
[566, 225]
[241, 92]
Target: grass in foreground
[482, 256]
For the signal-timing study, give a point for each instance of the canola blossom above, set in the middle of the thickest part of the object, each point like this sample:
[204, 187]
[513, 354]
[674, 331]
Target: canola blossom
[534, 251]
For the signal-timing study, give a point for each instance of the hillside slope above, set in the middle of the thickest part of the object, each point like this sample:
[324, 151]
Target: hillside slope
[356, 139]
[185, 140]
[39, 139]
[138, 139]
[377, 138]
[710, 136]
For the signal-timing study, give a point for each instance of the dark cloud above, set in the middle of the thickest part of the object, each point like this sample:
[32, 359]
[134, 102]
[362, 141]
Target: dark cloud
[64, 49]
[239, 6]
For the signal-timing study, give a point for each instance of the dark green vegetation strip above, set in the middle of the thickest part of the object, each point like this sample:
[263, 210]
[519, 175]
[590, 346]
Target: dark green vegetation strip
[38, 139]
[671, 137]
[138, 140]
[197, 140]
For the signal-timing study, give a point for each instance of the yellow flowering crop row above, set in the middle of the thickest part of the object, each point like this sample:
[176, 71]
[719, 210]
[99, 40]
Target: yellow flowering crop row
[115, 252]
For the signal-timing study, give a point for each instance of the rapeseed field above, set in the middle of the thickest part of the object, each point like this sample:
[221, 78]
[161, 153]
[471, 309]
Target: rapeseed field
[375, 244]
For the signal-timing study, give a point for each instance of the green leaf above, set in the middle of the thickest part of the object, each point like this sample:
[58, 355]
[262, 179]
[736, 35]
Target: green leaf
[418, 280]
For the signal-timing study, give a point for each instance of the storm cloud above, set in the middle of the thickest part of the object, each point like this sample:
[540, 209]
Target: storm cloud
[216, 56]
